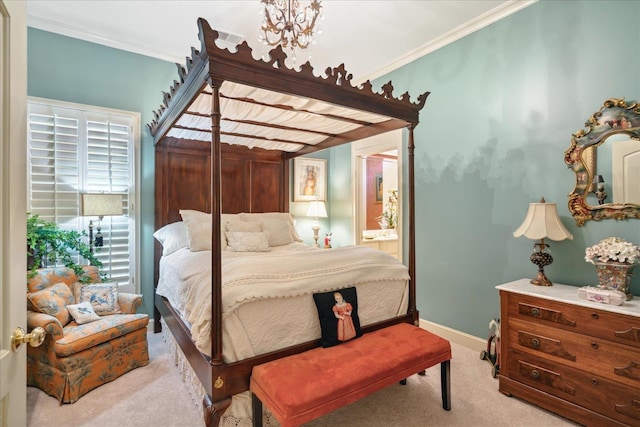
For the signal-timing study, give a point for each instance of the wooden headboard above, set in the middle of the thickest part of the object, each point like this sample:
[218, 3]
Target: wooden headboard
[253, 180]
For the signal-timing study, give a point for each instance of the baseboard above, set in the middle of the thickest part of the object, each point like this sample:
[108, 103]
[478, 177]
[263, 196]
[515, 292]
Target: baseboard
[461, 338]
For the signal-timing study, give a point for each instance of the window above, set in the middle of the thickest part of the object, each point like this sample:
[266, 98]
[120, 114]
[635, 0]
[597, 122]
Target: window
[75, 149]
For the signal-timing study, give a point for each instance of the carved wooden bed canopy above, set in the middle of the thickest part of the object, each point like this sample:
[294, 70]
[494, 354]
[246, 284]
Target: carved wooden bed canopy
[238, 121]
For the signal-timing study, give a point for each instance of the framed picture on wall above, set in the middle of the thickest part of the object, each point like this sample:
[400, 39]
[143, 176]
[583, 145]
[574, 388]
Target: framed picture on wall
[379, 187]
[309, 179]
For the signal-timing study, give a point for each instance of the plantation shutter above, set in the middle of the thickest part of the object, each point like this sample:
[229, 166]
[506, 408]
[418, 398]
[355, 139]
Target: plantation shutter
[74, 150]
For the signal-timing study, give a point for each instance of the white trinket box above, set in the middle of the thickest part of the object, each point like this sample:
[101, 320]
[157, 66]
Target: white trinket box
[604, 296]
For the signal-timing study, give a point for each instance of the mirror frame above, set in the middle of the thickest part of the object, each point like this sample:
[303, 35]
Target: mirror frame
[616, 116]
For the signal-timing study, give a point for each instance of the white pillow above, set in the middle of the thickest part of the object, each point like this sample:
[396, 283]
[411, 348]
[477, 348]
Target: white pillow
[172, 237]
[83, 313]
[283, 216]
[246, 241]
[199, 229]
[278, 231]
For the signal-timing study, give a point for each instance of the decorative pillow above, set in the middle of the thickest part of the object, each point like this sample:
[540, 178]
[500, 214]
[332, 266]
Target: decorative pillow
[278, 231]
[245, 241]
[253, 227]
[53, 301]
[102, 296]
[172, 237]
[282, 216]
[82, 313]
[338, 314]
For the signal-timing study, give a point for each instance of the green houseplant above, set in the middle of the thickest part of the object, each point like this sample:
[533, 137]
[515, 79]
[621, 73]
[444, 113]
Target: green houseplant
[47, 242]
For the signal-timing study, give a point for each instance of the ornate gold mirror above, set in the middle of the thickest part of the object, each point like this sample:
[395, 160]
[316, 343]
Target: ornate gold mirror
[605, 157]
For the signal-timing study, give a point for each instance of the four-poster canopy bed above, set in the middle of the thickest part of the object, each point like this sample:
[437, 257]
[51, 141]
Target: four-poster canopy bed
[224, 136]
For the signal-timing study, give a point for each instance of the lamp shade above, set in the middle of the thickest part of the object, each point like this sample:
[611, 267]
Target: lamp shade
[98, 204]
[317, 209]
[542, 222]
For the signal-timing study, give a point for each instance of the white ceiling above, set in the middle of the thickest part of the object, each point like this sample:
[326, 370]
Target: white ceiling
[369, 37]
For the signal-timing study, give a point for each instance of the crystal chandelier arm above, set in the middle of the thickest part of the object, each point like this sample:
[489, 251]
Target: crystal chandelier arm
[285, 24]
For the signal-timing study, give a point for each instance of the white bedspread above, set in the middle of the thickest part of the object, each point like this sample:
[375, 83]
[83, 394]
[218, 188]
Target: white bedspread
[267, 297]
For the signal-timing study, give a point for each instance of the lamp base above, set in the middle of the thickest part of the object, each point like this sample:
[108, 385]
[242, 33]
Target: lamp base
[541, 280]
[541, 259]
[316, 230]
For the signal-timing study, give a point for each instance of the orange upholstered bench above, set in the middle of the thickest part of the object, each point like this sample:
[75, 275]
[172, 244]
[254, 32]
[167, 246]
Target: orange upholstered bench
[299, 388]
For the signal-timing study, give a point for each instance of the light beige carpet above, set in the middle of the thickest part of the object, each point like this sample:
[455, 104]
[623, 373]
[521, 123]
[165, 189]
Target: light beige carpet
[155, 396]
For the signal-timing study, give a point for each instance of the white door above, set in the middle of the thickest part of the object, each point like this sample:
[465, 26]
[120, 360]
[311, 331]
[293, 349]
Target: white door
[13, 152]
[626, 171]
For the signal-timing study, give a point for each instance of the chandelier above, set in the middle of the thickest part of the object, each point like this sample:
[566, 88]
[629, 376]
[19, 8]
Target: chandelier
[289, 24]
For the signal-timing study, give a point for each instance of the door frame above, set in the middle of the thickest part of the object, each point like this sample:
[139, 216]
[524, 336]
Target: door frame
[359, 149]
[13, 259]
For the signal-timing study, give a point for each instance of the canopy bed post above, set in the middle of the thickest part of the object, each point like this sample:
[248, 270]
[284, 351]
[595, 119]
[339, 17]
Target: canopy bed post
[216, 208]
[213, 409]
[412, 226]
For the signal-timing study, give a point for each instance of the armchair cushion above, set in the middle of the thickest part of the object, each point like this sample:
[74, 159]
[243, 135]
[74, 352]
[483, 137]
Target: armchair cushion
[53, 301]
[50, 324]
[46, 277]
[81, 337]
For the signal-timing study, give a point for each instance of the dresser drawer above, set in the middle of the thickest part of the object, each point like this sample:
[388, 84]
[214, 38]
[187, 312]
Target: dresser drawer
[584, 320]
[612, 399]
[617, 362]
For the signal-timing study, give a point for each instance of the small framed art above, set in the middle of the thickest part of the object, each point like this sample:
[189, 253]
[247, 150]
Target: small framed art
[309, 179]
[379, 187]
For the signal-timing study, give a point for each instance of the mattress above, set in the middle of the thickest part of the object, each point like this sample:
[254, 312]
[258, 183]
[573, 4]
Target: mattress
[267, 297]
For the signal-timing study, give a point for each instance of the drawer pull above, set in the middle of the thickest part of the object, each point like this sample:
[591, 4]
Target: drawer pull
[632, 410]
[535, 374]
[535, 311]
[535, 342]
[594, 381]
[632, 371]
[594, 345]
[631, 334]
[594, 315]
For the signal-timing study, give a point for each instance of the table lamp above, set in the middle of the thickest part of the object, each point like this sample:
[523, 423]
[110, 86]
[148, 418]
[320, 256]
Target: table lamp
[316, 210]
[100, 205]
[542, 222]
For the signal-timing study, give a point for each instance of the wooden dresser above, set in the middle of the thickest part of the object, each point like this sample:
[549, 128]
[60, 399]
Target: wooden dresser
[576, 358]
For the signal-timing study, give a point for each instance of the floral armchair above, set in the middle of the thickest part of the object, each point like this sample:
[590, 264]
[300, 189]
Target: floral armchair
[93, 334]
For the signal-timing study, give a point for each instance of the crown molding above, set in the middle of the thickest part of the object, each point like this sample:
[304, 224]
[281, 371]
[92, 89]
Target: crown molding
[83, 34]
[457, 33]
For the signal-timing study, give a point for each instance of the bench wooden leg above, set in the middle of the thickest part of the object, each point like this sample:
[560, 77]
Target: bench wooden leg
[403, 382]
[256, 411]
[445, 381]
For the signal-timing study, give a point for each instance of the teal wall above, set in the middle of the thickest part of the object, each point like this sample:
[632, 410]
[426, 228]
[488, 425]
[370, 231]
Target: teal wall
[72, 70]
[504, 102]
